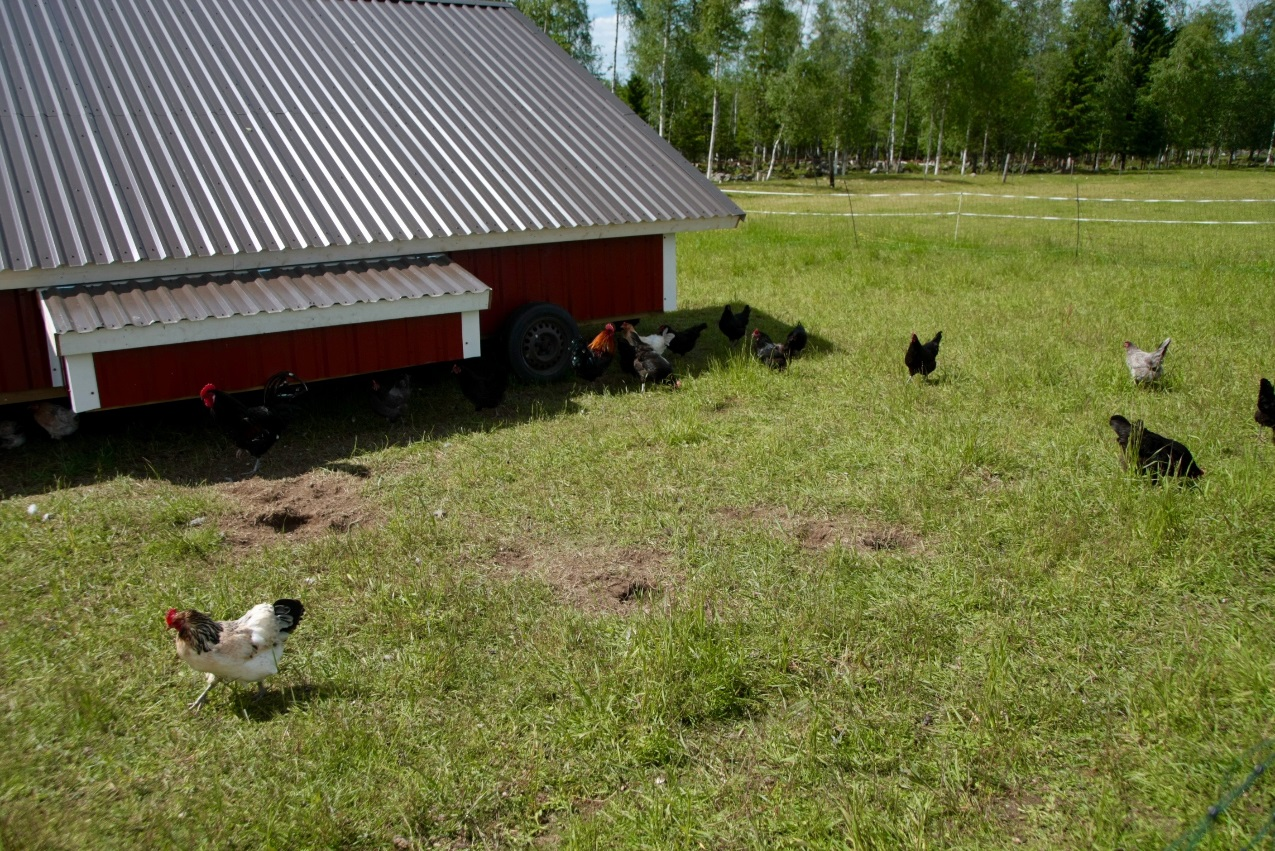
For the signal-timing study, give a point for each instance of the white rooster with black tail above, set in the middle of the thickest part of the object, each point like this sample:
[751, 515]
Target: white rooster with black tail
[246, 650]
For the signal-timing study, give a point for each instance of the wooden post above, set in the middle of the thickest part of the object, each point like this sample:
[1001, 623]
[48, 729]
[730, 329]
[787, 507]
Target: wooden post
[1077, 221]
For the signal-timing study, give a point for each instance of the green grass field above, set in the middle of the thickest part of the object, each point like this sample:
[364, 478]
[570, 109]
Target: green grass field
[826, 608]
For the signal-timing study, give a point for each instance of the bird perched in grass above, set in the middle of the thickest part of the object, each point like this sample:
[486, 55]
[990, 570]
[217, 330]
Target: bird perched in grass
[1156, 454]
[734, 325]
[246, 650]
[1145, 367]
[591, 359]
[922, 358]
[391, 401]
[765, 350]
[1265, 415]
[796, 341]
[681, 342]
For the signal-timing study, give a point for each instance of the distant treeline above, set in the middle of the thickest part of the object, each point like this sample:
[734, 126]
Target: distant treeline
[893, 84]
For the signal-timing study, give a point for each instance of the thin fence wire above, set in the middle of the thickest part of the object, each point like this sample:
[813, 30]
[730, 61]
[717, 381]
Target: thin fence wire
[1256, 760]
[1226, 231]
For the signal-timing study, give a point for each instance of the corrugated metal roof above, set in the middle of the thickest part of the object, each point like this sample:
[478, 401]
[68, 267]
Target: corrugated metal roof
[155, 130]
[85, 308]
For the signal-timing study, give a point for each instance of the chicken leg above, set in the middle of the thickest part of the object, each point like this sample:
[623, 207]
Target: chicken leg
[203, 696]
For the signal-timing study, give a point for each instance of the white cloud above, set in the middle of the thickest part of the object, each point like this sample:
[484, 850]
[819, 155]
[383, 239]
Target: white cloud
[604, 22]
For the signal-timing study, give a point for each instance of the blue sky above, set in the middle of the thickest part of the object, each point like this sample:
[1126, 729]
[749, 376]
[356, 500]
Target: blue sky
[602, 14]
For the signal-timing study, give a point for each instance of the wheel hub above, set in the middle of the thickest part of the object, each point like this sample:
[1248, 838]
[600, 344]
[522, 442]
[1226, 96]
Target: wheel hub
[544, 344]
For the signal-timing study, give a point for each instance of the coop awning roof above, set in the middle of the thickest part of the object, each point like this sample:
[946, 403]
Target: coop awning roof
[89, 318]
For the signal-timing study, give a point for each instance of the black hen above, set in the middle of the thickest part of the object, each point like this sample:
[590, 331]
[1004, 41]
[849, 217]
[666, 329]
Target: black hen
[654, 368]
[734, 325]
[483, 382]
[1265, 415]
[1157, 454]
[767, 352]
[683, 341]
[796, 340]
[254, 430]
[922, 358]
[626, 343]
[390, 402]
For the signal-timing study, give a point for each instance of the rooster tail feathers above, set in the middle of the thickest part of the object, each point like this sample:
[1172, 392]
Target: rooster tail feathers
[288, 613]
[744, 314]
[1266, 393]
[938, 338]
[279, 388]
[1164, 347]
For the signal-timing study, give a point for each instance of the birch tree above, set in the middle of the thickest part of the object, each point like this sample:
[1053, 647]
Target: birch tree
[719, 33]
[566, 22]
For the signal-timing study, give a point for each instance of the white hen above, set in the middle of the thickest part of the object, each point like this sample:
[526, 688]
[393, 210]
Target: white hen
[1145, 366]
[246, 650]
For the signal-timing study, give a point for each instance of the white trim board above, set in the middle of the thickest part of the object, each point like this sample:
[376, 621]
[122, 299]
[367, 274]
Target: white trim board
[110, 272]
[81, 374]
[188, 331]
[670, 272]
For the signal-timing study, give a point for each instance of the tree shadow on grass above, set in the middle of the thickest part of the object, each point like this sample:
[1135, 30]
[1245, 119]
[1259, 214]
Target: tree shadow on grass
[334, 425]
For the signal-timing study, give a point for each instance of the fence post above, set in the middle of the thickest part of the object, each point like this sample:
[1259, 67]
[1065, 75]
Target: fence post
[1077, 221]
[854, 228]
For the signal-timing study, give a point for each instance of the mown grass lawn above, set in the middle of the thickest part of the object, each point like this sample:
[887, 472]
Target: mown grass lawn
[825, 608]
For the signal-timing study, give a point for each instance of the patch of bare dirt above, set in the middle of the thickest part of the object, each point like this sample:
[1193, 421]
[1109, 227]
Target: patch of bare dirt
[596, 579]
[851, 531]
[1012, 811]
[299, 508]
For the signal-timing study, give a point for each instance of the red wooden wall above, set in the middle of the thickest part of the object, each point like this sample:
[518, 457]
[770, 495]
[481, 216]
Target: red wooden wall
[592, 279]
[24, 349]
[141, 376]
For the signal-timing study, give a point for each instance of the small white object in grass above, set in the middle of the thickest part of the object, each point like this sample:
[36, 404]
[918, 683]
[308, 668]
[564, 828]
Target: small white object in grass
[440, 514]
[417, 559]
[46, 517]
[32, 509]
[447, 446]
[309, 580]
[388, 657]
[197, 521]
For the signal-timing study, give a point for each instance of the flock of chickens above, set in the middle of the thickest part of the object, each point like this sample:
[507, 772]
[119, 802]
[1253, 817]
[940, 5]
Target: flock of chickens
[645, 357]
[1157, 455]
[248, 649]
[255, 429]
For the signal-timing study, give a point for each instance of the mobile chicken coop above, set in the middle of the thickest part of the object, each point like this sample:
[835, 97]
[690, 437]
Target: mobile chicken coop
[203, 191]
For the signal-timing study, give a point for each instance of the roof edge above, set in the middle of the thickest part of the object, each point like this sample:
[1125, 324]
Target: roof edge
[221, 263]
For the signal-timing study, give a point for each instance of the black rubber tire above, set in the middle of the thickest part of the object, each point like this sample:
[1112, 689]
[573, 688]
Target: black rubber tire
[538, 342]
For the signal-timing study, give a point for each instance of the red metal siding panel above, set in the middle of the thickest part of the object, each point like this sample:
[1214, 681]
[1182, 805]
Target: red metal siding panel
[592, 279]
[24, 348]
[162, 373]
